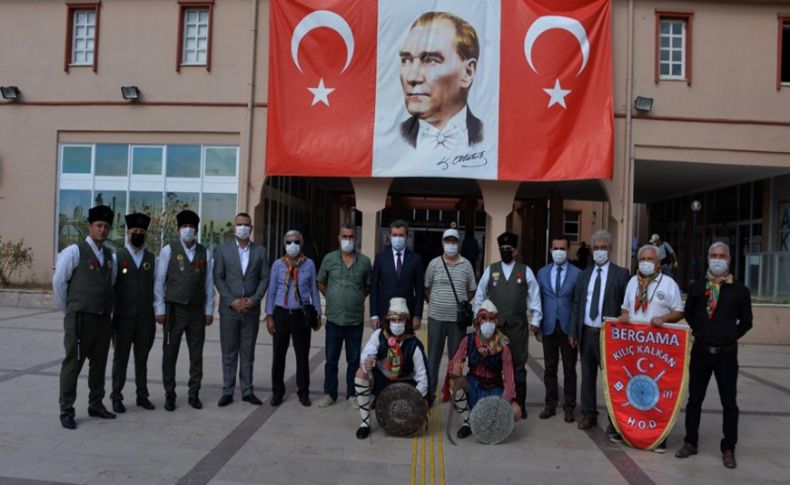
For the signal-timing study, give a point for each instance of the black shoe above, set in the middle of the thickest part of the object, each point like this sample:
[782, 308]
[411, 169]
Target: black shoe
[118, 407]
[613, 435]
[363, 432]
[547, 412]
[569, 417]
[195, 402]
[67, 421]
[464, 431]
[170, 403]
[100, 413]
[144, 403]
[276, 400]
[225, 400]
[305, 400]
[252, 399]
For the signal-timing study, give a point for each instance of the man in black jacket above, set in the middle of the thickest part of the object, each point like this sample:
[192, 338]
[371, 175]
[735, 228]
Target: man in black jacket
[719, 311]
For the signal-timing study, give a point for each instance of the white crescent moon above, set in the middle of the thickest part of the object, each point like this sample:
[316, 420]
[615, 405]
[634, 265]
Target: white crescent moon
[548, 22]
[639, 364]
[322, 18]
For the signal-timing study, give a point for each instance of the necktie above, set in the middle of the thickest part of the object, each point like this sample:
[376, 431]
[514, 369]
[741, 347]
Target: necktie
[596, 298]
[399, 265]
[557, 281]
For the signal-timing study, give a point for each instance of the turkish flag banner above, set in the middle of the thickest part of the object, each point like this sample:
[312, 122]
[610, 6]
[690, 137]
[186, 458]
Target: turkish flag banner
[482, 89]
[322, 87]
[645, 374]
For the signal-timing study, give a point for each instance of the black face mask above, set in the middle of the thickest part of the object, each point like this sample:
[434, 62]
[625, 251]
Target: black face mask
[137, 240]
[507, 255]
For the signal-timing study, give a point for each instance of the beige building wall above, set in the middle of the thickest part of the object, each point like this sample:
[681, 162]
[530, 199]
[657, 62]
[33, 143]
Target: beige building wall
[730, 114]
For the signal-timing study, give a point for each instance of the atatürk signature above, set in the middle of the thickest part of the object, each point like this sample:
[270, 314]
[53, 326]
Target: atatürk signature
[466, 160]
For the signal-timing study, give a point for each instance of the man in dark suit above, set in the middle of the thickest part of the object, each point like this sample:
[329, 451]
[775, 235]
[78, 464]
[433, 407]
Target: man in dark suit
[241, 274]
[397, 272]
[557, 282]
[438, 65]
[600, 290]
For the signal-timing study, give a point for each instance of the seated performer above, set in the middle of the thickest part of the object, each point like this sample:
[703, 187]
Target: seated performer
[393, 354]
[490, 367]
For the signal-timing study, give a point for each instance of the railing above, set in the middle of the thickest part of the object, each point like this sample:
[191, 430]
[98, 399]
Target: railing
[768, 275]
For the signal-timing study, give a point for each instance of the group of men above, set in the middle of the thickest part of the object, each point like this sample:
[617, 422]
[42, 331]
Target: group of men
[118, 296]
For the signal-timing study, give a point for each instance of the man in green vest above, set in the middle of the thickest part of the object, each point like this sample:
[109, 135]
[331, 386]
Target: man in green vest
[184, 304]
[82, 288]
[133, 313]
[513, 289]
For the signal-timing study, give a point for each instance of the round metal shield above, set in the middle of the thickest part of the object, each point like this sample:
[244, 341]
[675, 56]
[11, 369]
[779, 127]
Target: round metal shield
[491, 420]
[400, 409]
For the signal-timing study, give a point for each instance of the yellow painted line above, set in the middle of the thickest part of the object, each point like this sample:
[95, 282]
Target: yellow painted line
[413, 471]
[441, 447]
[424, 444]
[432, 428]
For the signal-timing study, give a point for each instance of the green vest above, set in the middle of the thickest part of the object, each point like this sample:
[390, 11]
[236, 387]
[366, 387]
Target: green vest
[186, 280]
[134, 287]
[509, 296]
[90, 286]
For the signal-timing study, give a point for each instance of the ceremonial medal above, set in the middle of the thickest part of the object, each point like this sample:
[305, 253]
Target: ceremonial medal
[125, 266]
[124, 271]
[180, 257]
[146, 266]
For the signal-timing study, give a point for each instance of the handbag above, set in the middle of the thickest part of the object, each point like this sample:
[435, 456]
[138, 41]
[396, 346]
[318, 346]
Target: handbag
[463, 313]
[310, 315]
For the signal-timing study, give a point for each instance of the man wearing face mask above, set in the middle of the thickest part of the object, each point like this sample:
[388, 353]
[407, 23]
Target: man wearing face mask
[184, 304]
[557, 282]
[392, 354]
[490, 368]
[599, 294]
[241, 274]
[512, 287]
[292, 290]
[449, 279]
[344, 280]
[651, 297]
[719, 312]
[133, 312]
[397, 272]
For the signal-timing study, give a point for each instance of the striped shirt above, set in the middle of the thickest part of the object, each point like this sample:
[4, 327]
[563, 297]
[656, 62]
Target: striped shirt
[442, 305]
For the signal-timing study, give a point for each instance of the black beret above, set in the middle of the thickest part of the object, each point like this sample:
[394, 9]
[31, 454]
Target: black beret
[137, 220]
[100, 213]
[507, 239]
[187, 217]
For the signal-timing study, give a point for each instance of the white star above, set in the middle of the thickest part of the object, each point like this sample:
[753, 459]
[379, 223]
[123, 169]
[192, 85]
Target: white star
[557, 94]
[320, 93]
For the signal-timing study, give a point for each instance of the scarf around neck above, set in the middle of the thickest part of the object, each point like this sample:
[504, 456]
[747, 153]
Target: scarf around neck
[712, 289]
[394, 360]
[642, 300]
[292, 272]
[491, 346]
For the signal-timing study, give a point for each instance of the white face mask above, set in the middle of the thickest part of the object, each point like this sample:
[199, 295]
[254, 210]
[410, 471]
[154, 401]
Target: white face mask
[647, 268]
[450, 249]
[397, 329]
[718, 266]
[346, 245]
[600, 256]
[487, 329]
[187, 234]
[243, 232]
[559, 256]
[398, 242]
[292, 250]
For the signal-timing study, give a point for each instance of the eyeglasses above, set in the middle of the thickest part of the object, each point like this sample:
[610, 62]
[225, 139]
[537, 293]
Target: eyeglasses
[288, 243]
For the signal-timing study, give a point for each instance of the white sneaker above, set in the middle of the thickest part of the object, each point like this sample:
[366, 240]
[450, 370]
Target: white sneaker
[352, 401]
[326, 401]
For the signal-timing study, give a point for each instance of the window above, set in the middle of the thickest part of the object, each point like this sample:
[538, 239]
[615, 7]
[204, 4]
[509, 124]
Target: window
[673, 46]
[159, 180]
[570, 224]
[82, 35]
[194, 34]
[783, 54]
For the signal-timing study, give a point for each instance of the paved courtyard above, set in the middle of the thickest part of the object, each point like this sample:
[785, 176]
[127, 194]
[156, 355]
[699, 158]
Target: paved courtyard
[294, 445]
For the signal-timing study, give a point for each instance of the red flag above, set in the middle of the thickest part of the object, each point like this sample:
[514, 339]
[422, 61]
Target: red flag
[322, 87]
[556, 113]
[645, 372]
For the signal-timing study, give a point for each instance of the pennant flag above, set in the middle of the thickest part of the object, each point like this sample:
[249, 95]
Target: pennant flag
[645, 373]
[486, 89]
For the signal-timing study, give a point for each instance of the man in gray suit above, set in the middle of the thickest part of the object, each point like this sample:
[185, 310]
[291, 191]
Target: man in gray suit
[600, 290]
[241, 274]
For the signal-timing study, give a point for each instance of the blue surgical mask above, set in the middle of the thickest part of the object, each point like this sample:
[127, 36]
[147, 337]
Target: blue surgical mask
[647, 268]
[398, 242]
[487, 329]
[718, 266]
